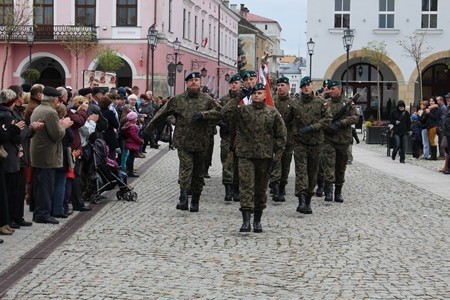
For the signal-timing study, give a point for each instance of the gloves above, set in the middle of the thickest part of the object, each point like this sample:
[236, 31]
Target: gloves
[224, 128]
[336, 125]
[306, 129]
[197, 116]
[243, 93]
[397, 122]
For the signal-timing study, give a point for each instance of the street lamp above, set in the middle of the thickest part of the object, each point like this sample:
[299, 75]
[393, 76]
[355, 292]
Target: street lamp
[178, 64]
[152, 38]
[30, 41]
[310, 45]
[347, 39]
[227, 77]
[203, 72]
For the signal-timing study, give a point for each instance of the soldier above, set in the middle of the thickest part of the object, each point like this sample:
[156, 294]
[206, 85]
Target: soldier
[225, 142]
[260, 140]
[250, 79]
[280, 171]
[195, 113]
[337, 139]
[308, 116]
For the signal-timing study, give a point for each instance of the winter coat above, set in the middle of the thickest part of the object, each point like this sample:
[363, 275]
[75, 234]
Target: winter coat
[405, 122]
[130, 134]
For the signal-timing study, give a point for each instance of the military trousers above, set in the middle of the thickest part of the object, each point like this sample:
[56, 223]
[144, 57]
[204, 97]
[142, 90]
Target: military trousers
[335, 158]
[320, 175]
[192, 170]
[307, 159]
[280, 171]
[254, 176]
[226, 157]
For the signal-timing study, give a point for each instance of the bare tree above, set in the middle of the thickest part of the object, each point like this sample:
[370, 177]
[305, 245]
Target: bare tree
[375, 52]
[415, 46]
[13, 21]
[78, 42]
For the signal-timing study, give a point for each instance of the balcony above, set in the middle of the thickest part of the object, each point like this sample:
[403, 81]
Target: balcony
[48, 33]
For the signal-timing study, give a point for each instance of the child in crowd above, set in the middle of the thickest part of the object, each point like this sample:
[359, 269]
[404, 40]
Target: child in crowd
[130, 133]
[416, 135]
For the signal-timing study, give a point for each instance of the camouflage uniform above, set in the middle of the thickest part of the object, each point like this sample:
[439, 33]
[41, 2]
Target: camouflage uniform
[307, 111]
[280, 171]
[191, 137]
[335, 150]
[260, 138]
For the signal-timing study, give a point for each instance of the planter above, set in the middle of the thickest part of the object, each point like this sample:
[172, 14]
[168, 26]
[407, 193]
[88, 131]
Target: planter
[374, 134]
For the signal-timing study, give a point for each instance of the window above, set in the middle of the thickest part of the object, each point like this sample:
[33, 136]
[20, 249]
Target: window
[341, 13]
[189, 26]
[195, 30]
[209, 36]
[85, 12]
[43, 12]
[429, 13]
[170, 15]
[184, 23]
[126, 12]
[386, 16]
[6, 12]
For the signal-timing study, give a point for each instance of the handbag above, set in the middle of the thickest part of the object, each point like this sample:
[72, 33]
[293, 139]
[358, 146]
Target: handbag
[165, 134]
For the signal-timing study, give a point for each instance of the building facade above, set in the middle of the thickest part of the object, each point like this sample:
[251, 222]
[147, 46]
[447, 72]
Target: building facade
[391, 22]
[207, 32]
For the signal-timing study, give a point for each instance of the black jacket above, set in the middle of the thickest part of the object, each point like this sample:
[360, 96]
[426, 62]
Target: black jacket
[405, 122]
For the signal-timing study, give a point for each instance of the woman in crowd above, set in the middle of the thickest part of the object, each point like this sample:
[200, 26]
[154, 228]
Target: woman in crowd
[109, 135]
[423, 119]
[433, 114]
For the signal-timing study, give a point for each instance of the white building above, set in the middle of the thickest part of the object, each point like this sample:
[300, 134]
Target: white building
[390, 21]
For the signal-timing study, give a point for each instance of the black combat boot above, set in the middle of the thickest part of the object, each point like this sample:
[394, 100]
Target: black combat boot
[194, 202]
[257, 221]
[319, 190]
[338, 193]
[276, 192]
[328, 189]
[301, 208]
[282, 192]
[228, 192]
[236, 194]
[246, 227]
[183, 204]
[308, 209]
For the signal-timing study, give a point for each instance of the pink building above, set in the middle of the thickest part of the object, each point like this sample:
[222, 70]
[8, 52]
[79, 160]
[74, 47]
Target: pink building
[207, 31]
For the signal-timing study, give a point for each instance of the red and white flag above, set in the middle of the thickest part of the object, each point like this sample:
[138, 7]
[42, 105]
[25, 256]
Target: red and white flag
[263, 77]
[203, 43]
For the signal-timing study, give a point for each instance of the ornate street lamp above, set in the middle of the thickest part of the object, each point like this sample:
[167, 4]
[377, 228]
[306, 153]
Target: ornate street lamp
[347, 39]
[152, 38]
[178, 64]
[310, 45]
[203, 72]
[30, 41]
[227, 77]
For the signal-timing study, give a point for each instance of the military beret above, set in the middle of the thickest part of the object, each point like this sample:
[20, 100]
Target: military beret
[305, 81]
[192, 75]
[26, 87]
[96, 90]
[84, 91]
[325, 82]
[282, 79]
[51, 92]
[248, 74]
[332, 83]
[235, 77]
[258, 87]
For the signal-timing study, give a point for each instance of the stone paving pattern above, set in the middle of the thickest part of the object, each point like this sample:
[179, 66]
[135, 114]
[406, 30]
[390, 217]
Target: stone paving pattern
[388, 240]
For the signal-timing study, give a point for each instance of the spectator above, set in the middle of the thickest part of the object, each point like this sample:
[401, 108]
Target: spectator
[416, 135]
[132, 141]
[402, 125]
[46, 153]
[423, 120]
[433, 114]
[109, 135]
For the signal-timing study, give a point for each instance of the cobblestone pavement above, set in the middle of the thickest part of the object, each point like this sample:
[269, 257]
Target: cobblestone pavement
[388, 240]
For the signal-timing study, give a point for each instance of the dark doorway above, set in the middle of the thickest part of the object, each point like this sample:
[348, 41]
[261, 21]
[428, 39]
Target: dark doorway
[51, 77]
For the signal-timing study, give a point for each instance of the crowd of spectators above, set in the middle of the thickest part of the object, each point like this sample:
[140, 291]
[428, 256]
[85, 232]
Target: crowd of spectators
[44, 138]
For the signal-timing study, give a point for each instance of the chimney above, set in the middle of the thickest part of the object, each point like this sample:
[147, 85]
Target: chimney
[226, 3]
[233, 7]
[244, 11]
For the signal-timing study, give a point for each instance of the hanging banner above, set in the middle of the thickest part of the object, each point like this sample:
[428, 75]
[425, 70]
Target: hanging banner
[105, 79]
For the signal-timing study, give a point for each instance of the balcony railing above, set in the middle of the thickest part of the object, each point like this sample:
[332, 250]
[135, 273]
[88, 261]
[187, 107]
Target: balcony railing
[51, 33]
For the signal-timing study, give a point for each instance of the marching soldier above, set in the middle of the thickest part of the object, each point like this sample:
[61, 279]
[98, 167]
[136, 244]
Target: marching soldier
[260, 139]
[337, 139]
[280, 170]
[308, 116]
[250, 78]
[195, 113]
[225, 143]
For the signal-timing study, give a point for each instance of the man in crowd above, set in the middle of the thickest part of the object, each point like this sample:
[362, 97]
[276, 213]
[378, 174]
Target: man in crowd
[260, 140]
[280, 170]
[308, 116]
[195, 113]
[46, 153]
[338, 137]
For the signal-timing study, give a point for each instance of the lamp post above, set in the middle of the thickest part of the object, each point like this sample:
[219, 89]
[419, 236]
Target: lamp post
[347, 39]
[30, 41]
[178, 65]
[152, 38]
[310, 45]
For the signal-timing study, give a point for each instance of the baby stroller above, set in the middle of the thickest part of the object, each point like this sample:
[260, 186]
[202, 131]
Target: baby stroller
[104, 175]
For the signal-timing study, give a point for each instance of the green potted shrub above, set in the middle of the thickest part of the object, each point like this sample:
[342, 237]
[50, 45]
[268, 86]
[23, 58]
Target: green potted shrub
[31, 75]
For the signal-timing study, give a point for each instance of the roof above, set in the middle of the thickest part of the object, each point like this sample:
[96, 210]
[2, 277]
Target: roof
[255, 18]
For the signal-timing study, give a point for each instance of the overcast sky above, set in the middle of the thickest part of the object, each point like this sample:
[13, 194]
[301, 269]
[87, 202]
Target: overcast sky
[290, 14]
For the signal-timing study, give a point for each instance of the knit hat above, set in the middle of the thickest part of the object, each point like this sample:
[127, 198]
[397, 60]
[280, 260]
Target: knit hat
[132, 116]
